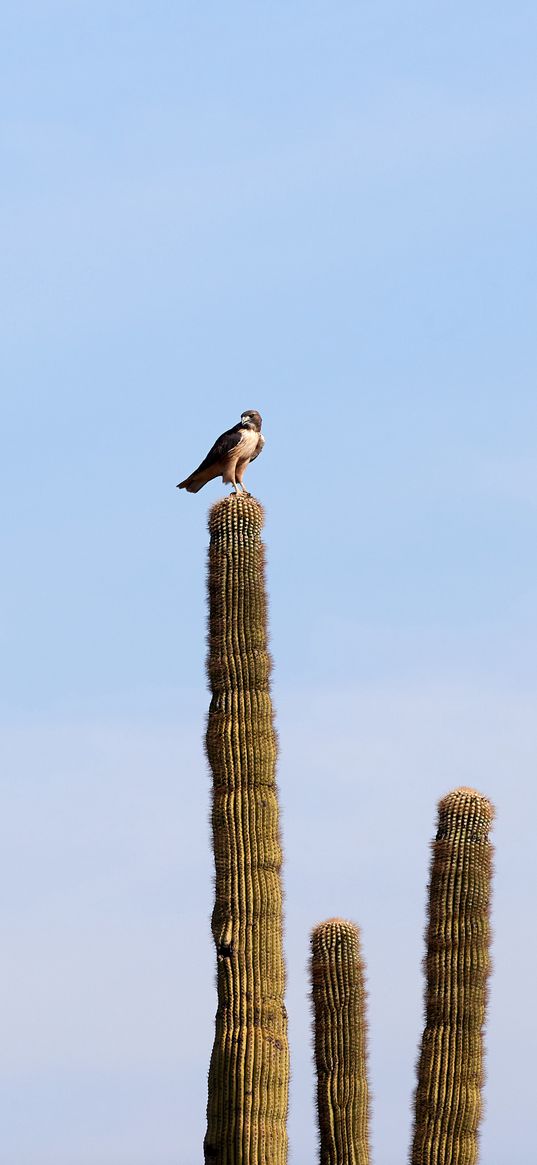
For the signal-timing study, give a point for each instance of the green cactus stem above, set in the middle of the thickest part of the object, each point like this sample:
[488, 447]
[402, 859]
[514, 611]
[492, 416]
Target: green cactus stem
[249, 1070]
[450, 1066]
[340, 1039]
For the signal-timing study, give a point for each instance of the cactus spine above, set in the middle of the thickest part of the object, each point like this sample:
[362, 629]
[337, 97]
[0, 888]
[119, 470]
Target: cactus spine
[450, 1067]
[338, 994]
[249, 1070]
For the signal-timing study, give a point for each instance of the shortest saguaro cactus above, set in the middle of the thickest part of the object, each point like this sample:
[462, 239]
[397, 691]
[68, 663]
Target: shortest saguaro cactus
[338, 995]
[450, 1068]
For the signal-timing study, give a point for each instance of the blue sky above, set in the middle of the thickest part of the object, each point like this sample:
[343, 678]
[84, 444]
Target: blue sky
[327, 213]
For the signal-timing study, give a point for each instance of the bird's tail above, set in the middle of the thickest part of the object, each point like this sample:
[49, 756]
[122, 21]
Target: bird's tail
[191, 484]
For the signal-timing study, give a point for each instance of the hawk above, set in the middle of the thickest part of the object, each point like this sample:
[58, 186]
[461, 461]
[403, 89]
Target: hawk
[230, 455]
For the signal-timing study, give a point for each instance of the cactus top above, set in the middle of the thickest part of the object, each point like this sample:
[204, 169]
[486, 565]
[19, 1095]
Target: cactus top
[236, 514]
[464, 809]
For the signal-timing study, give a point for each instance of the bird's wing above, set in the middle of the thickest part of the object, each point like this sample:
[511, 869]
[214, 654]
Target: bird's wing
[221, 448]
[259, 447]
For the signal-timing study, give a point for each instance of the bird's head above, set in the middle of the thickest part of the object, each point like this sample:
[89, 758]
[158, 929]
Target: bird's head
[251, 420]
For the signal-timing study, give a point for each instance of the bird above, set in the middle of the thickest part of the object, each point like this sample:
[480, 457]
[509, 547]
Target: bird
[229, 455]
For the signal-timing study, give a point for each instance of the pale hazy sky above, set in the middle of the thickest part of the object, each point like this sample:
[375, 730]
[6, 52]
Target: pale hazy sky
[325, 212]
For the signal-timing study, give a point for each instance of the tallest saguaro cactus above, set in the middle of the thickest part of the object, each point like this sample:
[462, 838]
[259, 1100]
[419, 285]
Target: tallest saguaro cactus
[249, 1070]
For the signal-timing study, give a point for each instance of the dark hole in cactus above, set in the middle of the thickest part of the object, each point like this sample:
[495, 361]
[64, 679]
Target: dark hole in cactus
[225, 950]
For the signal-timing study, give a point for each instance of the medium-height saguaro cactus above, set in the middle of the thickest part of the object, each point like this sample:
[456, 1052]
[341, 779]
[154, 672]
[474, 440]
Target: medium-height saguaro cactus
[249, 1071]
[340, 1040]
[450, 1067]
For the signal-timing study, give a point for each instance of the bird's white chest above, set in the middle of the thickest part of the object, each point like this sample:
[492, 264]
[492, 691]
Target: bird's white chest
[247, 444]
